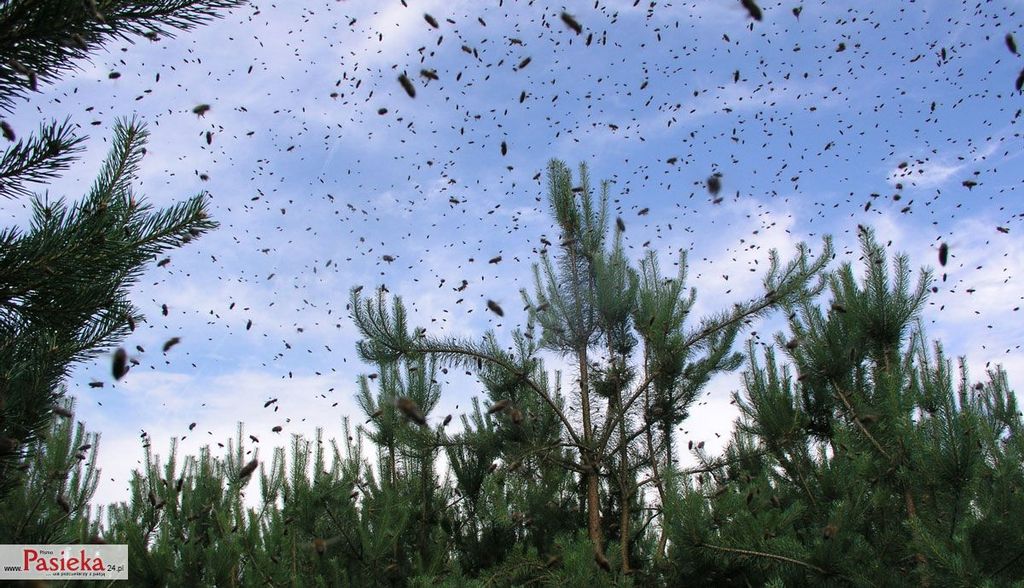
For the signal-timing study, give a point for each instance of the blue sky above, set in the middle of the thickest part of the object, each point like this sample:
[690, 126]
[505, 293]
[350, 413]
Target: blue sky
[312, 186]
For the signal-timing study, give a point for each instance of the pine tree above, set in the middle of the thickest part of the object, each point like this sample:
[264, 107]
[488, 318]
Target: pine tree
[867, 460]
[64, 282]
[64, 286]
[42, 39]
[622, 329]
[60, 477]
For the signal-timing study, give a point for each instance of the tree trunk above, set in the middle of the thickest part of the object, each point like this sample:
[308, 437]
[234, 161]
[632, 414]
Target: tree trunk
[625, 491]
[589, 459]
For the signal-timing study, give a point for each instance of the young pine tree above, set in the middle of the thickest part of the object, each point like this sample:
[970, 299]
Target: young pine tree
[866, 460]
[64, 282]
[64, 287]
[60, 477]
[623, 330]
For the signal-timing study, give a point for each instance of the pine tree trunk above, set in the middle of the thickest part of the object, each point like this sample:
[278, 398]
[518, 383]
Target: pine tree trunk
[425, 514]
[391, 463]
[624, 489]
[593, 496]
[624, 521]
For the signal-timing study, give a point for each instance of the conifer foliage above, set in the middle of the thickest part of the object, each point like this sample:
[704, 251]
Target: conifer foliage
[863, 458]
[867, 459]
[64, 281]
[638, 365]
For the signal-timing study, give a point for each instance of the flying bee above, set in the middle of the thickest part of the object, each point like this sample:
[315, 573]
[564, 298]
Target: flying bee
[120, 367]
[430, 74]
[375, 414]
[943, 254]
[171, 343]
[504, 148]
[407, 406]
[714, 184]
[407, 85]
[495, 260]
[447, 420]
[620, 225]
[7, 130]
[431, 21]
[643, 212]
[277, 428]
[248, 469]
[493, 307]
[499, 406]
[1011, 44]
[269, 402]
[516, 415]
[163, 262]
[60, 410]
[201, 109]
[525, 62]
[753, 9]
[571, 22]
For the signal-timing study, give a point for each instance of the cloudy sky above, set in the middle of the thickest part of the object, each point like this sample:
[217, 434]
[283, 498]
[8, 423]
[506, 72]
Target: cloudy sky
[320, 164]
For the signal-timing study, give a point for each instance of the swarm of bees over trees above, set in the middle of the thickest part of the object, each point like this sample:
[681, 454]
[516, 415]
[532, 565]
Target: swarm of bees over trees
[415, 163]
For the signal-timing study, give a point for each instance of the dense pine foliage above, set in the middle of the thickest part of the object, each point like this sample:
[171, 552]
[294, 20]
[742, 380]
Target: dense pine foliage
[64, 281]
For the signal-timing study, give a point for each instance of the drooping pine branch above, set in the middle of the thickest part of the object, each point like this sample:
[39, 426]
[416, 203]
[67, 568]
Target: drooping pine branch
[42, 39]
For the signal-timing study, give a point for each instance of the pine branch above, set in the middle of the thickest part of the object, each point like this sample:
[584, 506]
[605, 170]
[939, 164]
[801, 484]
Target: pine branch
[387, 340]
[857, 421]
[762, 554]
[39, 158]
[41, 39]
[122, 163]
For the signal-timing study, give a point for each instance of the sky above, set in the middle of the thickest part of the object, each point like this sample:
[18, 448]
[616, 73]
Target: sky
[319, 164]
